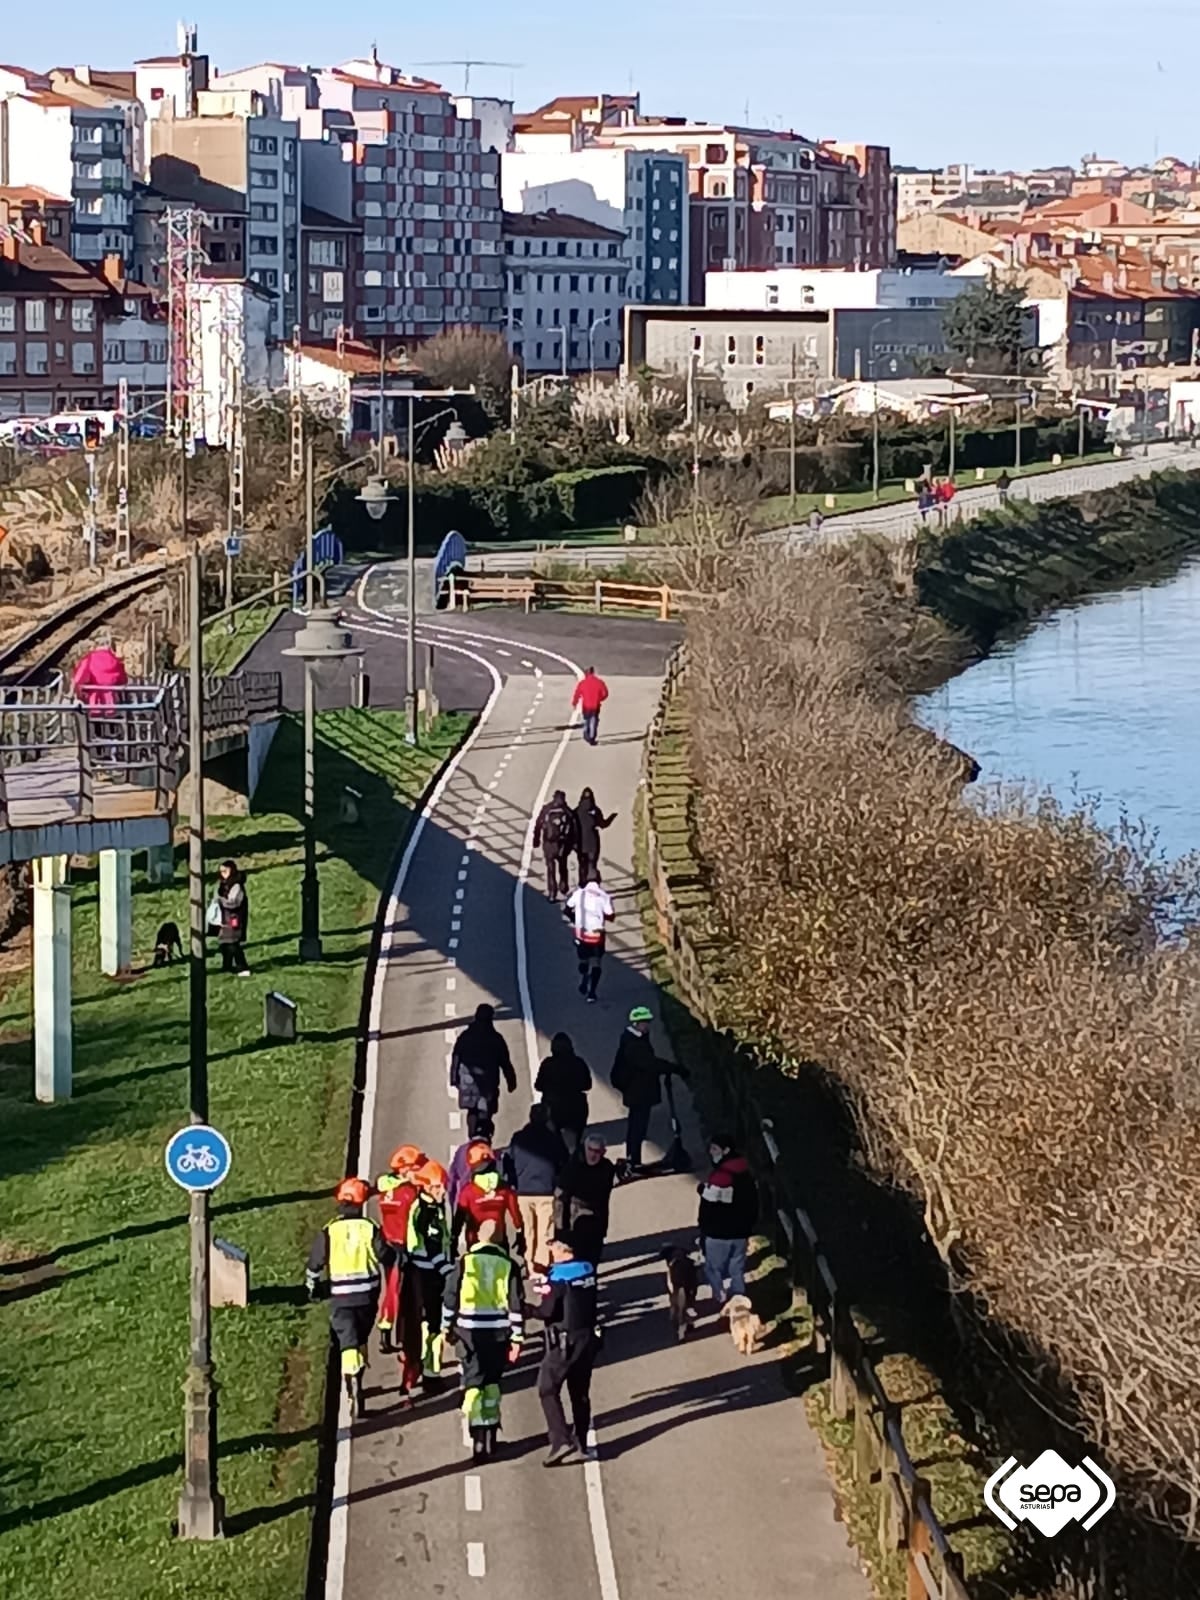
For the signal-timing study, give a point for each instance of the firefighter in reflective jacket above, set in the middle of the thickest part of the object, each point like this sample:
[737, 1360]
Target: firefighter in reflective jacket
[352, 1253]
[400, 1308]
[483, 1311]
[427, 1260]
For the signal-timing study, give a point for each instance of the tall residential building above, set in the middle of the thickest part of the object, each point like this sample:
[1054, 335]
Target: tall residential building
[874, 161]
[641, 194]
[77, 139]
[243, 161]
[566, 290]
[757, 197]
[424, 188]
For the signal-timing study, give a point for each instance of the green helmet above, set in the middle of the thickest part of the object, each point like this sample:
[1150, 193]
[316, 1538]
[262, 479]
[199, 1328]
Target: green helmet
[641, 1014]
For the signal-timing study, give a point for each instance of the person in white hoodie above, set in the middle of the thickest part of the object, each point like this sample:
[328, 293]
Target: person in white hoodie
[591, 908]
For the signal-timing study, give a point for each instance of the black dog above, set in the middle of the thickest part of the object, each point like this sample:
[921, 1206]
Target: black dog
[166, 943]
[682, 1283]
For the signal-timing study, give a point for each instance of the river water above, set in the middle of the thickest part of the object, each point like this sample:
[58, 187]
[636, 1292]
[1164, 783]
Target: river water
[1101, 699]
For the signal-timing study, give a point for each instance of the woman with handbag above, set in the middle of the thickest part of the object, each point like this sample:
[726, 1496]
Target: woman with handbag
[233, 911]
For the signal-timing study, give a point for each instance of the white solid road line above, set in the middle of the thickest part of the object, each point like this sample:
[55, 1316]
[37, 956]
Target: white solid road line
[339, 1517]
[606, 1570]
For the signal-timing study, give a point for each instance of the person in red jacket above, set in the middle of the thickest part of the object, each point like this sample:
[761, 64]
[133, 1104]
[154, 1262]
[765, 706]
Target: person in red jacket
[590, 694]
[485, 1197]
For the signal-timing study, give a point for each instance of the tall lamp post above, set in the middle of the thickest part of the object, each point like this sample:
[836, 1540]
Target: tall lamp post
[875, 326]
[376, 497]
[596, 322]
[562, 334]
[201, 1508]
[322, 640]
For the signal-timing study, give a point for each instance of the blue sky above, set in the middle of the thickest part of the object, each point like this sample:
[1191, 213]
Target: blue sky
[1010, 83]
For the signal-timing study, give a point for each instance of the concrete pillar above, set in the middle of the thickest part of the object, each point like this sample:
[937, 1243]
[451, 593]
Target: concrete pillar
[116, 912]
[160, 865]
[51, 979]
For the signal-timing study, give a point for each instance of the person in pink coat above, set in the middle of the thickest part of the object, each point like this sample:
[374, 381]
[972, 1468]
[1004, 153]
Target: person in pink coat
[97, 675]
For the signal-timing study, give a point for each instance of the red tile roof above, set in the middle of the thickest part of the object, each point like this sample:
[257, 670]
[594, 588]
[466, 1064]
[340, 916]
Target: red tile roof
[357, 358]
[31, 193]
[43, 269]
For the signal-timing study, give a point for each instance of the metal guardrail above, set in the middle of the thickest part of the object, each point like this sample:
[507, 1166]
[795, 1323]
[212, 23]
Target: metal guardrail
[906, 1522]
[131, 736]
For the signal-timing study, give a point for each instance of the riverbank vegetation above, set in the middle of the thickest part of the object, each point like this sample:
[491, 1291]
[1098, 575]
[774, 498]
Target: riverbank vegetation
[979, 993]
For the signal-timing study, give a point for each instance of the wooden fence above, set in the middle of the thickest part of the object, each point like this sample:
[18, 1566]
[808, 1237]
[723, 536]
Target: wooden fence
[658, 600]
[906, 1522]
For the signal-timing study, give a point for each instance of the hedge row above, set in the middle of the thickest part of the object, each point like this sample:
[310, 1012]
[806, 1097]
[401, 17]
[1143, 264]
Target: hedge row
[582, 499]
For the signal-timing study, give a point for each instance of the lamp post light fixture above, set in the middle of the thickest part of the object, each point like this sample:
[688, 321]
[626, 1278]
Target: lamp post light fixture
[375, 497]
[321, 642]
[456, 436]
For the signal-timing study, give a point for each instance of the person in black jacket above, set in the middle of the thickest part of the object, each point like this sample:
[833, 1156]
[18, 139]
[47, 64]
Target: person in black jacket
[584, 1194]
[563, 1081]
[555, 833]
[567, 1305]
[479, 1059]
[534, 1158]
[637, 1076]
[589, 820]
[728, 1212]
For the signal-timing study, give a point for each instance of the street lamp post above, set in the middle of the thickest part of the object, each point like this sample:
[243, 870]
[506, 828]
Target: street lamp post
[597, 322]
[562, 334]
[321, 640]
[875, 326]
[201, 1508]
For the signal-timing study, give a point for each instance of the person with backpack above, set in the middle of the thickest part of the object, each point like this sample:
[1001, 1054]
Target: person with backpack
[555, 833]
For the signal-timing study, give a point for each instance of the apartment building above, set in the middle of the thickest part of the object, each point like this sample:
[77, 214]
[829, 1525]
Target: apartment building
[566, 282]
[22, 205]
[239, 160]
[829, 289]
[52, 317]
[77, 139]
[329, 257]
[222, 232]
[641, 194]
[877, 246]
[424, 188]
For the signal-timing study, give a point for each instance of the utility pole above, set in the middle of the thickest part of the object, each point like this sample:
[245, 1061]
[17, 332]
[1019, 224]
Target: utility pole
[122, 551]
[694, 413]
[514, 404]
[201, 1509]
[382, 370]
[310, 520]
[90, 525]
[792, 441]
[410, 651]
[236, 437]
[295, 412]
[1081, 433]
[953, 440]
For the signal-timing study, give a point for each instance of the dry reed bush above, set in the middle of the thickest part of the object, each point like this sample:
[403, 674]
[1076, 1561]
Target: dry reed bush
[985, 983]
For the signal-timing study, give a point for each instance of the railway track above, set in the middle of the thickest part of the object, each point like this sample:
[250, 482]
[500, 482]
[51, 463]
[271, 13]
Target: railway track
[41, 647]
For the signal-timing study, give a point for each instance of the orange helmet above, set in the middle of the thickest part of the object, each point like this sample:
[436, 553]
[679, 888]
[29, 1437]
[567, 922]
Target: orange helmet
[479, 1152]
[430, 1174]
[352, 1192]
[405, 1157]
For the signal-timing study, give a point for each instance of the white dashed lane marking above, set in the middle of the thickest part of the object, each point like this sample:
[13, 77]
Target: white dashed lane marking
[525, 662]
[455, 1121]
[451, 1008]
[451, 985]
[452, 942]
[473, 1491]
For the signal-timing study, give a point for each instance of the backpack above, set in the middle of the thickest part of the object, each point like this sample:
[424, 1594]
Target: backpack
[556, 830]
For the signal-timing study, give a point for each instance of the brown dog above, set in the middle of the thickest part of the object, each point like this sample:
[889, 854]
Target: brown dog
[682, 1284]
[745, 1328]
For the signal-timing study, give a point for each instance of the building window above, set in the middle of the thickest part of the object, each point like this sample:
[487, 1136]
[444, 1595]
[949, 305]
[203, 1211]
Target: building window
[612, 251]
[8, 355]
[262, 145]
[538, 318]
[574, 318]
[518, 317]
[83, 316]
[216, 251]
[541, 283]
[556, 285]
[718, 189]
[517, 282]
[573, 283]
[260, 179]
[8, 315]
[333, 289]
[731, 350]
[760, 351]
[83, 356]
[574, 349]
[264, 211]
[561, 249]
[772, 295]
[537, 350]
[114, 351]
[326, 253]
[157, 352]
[263, 244]
[37, 358]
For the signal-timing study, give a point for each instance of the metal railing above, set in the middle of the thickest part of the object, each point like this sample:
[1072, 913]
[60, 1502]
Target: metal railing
[906, 1523]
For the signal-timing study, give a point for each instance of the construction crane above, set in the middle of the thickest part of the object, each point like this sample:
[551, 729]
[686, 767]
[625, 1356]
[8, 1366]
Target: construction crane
[466, 65]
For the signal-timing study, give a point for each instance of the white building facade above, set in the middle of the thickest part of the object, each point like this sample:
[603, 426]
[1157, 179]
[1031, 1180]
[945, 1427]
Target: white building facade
[642, 194]
[566, 281]
[831, 289]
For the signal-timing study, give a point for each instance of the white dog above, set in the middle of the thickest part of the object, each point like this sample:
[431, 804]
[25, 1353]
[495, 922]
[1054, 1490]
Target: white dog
[745, 1327]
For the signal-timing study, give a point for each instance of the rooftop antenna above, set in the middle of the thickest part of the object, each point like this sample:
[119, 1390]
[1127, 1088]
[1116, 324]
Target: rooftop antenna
[467, 64]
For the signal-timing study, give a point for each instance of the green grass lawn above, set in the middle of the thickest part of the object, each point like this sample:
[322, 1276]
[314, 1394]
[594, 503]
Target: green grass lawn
[93, 1235]
[224, 651]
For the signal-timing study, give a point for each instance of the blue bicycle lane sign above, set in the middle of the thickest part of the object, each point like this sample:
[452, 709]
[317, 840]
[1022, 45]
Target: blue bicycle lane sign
[198, 1158]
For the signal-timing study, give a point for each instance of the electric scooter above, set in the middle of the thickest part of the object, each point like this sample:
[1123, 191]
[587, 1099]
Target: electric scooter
[676, 1158]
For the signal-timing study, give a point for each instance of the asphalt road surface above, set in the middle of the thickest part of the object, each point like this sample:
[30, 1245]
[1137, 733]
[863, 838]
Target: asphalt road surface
[709, 1481]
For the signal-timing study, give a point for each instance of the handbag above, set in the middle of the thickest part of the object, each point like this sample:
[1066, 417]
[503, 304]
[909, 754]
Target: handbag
[213, 916]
